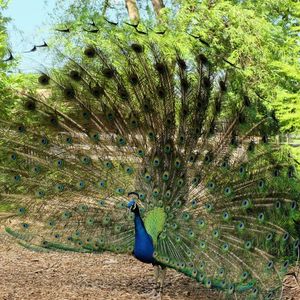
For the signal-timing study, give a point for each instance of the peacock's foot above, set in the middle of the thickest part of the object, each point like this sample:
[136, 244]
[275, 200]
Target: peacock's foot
[159, 296]
[156, 293]
[159, 292]
[152, 294]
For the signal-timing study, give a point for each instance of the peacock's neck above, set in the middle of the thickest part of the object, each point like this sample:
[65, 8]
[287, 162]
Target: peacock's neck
[143, 244]
[139, 224]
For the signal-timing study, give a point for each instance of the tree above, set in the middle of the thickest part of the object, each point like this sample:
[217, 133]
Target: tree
[10, 83]
[260, 39]
[6, 82]
[132, 10]
[257, 42]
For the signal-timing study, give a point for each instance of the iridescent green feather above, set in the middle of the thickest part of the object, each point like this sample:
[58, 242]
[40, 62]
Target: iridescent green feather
[154, 221]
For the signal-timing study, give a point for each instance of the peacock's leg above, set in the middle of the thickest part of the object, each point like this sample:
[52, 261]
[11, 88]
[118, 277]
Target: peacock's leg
[156, 276]
[162, 276]
[155, 290]
[159, 274]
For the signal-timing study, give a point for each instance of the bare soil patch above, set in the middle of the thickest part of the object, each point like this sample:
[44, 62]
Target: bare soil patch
[64, 276]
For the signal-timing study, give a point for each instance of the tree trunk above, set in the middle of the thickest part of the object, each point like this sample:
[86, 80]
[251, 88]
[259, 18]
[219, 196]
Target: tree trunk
[158, 5]
[133, 11]
[105, 7]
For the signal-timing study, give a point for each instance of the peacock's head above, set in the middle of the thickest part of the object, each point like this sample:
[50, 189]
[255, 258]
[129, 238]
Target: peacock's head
[132, 205]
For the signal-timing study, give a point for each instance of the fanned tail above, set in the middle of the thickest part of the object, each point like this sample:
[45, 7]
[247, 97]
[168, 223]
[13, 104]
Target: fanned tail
[184, 135]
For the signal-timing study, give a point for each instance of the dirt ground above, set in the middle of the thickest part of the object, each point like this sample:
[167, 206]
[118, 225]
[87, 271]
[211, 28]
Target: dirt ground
[63, 276]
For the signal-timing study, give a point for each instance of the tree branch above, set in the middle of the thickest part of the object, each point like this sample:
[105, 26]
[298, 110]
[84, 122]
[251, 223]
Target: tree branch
[132, 10]
[105, 7]
[158, 5]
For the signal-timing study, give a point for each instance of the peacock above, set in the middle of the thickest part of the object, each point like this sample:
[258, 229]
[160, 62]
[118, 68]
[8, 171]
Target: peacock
[165, 156]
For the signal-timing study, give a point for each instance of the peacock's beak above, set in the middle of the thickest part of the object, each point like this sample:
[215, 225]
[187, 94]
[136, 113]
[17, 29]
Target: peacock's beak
[131, 204]
[129, 212]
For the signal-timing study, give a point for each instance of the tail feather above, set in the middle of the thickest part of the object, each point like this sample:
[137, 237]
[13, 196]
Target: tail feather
[184, 135]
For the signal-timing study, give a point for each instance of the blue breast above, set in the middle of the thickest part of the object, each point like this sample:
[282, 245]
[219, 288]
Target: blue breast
[143, 244]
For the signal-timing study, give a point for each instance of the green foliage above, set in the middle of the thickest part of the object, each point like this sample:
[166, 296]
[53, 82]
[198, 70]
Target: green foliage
[11, 84]
[261, 38]
[5, 88]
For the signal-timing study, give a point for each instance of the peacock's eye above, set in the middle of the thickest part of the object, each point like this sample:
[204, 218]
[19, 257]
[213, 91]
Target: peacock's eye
[137, 48]
[246, 203]
[241, 225]
[21, 129]
[211, 185]
[161, 68]
[53, 120]
[133, 79]
[209, 207]
[81, 184]
[30, 105]
[225, 216]
[60, 187]
[167, 149]
[86, 160]
[269, 237]
[44, 79]
[110, 116]
[166, 176]
[44, 141]
[261, 183]
[75, 75]
[270, 264]
[156, 162]
[90, 52]
[277, 204]
[140, 153]
[286, 236]
[248, 245]
[25, 225]
[148, 177]
[69, 93]
[97, 91]
[225, 247]
[286, 264]
[261, 217]
[168, 194]
[17, 178]
[202, 244]
[155, 193]
[194, 203]
[227, 191]
[86, 115]
[108, 72]
[225, 164]
[124, 95]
